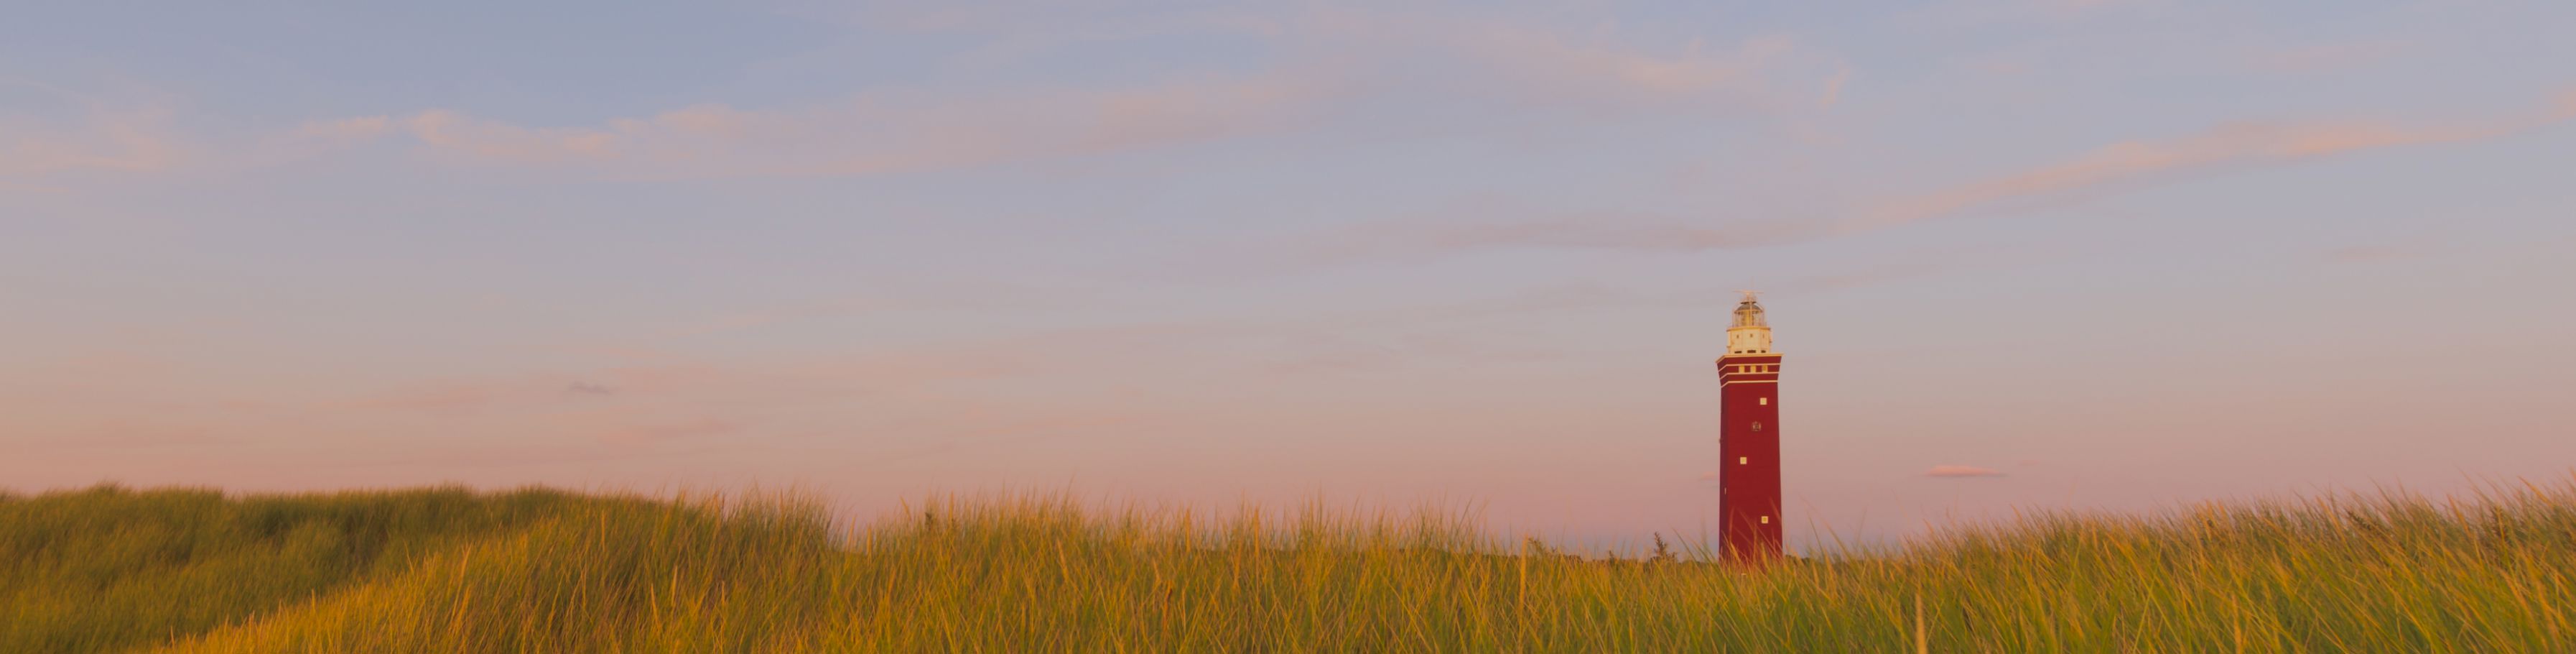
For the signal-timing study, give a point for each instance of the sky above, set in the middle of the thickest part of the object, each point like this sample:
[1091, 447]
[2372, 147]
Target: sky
[2092, 255]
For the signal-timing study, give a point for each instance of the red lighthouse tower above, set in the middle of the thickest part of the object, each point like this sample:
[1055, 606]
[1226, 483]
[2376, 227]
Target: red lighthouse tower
[1748, 479]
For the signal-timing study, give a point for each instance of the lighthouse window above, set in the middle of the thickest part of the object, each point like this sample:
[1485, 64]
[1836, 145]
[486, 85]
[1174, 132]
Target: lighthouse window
[1766, 519]
[1742, 460]
[1757, 426]
[1764, 401]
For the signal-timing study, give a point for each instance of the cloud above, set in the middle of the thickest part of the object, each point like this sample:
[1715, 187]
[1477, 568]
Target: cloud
[2325, 56]
[871, 134]
[2231, 144]
[655, 433]
[441, 398]
[1833, 93]
[346, 129]
[1012, 34]
[802, 378]
[1535, 59]
[2079, 5]
[1564, 63]
[668, 137]
[946, 295]
[1961, 471]
[2118, 165]
[1520, 65]
[33, 189]
[1977, 13]
[130, 432]
[2376, 253]
[454, 397]
[1873, 275]
[1329, 352]
[1331, 57]
[111, 140]
[1410, 240]
[1543, 57]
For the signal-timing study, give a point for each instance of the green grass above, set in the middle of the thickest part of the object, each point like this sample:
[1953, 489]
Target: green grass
[446, 570]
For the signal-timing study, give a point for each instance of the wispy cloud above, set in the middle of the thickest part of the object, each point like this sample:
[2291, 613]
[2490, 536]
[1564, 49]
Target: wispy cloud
[881, 133]
[441, 398]
[1561, 62]
[346, 129]
[2120, 165]
[129, 432]
[1539, 59]
[1010, 32]
[2136, 161]
[1400, 240]
[1335, 56]
[1833, 93]
[1876, 274]
[1329, 354]
[2380, 252]
[112, 140]
[838, 376]
[1961, 471]
[1969, 14]
[2325, 56]
[655, 433]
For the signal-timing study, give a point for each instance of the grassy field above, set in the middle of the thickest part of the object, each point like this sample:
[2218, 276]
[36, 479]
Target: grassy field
[445, 570]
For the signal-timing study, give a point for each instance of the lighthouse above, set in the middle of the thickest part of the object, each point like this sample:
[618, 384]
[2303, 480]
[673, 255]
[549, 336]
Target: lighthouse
[1748, 477]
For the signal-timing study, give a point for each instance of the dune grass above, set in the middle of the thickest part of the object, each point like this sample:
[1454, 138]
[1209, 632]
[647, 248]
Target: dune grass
[447, 570]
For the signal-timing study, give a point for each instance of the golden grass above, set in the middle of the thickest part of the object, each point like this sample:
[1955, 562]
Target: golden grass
[446, 570]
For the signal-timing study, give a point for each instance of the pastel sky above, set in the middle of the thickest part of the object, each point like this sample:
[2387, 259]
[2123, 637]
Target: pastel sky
[2020, 253]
